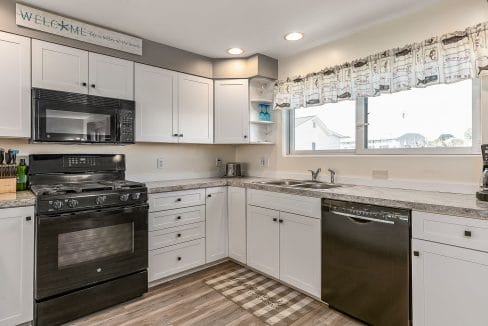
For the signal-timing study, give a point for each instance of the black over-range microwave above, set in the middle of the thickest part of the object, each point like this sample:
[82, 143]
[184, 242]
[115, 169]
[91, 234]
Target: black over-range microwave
[62, 117]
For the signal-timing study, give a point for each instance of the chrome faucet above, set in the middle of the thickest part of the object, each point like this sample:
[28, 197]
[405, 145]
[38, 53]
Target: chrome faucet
[315, 174]
[332, 176]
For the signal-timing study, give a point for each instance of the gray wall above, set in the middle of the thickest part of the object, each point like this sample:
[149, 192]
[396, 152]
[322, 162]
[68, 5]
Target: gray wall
[154, 54]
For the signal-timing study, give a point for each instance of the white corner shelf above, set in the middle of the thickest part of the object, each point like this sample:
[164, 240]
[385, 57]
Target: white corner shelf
[259, 122]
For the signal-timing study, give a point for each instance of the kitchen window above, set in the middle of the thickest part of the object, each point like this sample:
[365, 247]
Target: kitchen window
[440, 119]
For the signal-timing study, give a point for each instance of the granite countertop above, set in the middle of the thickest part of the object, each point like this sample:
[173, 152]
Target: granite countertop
[18, 199]
[426, 201]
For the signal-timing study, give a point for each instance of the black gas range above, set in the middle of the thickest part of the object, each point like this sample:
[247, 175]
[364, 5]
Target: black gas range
[91, 232]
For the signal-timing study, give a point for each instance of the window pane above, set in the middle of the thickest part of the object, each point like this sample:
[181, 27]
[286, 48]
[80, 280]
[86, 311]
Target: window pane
[327, 127]
[436, 116]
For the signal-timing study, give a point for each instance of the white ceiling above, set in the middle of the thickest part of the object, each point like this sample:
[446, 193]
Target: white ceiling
[209, 27]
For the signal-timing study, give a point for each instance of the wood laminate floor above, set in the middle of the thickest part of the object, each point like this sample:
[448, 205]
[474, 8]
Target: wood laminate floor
[189, 301]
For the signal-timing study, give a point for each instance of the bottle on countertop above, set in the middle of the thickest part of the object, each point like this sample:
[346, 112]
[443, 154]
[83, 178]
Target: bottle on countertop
[21, 175]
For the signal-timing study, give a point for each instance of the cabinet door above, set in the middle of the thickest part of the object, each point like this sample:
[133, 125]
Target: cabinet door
[156, 109]
[232, 111]
[111, 77]
[300, 243]
[449, 285]
[195, 109]
[15, 88]
[237, 223]
[16, 265]
[59, 67]
[216, 231]
[263, 240]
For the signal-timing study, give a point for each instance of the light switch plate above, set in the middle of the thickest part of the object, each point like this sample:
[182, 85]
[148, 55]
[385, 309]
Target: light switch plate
[160, 163]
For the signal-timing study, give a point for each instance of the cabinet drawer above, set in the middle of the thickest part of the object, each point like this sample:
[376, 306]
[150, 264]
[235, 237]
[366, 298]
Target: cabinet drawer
[176, 217]
[175, 259]
[301, 205]
[458, 231]
[171, 236]
[176, 199]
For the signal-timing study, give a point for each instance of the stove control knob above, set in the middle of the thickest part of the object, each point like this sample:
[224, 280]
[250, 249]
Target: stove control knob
[124, 197]
[58, 204]
[136, 196]
[100, 200]
[72, 203]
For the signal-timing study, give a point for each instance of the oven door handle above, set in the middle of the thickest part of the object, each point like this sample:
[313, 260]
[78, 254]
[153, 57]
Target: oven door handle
[361, 219]
[49, 218]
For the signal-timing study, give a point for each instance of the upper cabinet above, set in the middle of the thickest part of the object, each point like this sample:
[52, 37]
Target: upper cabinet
[111, 77]
[15, 86]
[59, 67]
[156, 107]
[232, 111]
[68, 69]
[195, 109]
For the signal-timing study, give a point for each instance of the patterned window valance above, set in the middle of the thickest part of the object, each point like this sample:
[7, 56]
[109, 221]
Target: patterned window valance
[444, 59]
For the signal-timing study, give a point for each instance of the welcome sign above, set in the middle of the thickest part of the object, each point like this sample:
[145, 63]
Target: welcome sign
[59, 25]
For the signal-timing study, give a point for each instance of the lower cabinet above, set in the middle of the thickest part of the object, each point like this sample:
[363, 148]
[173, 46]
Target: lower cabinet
[449, 285]
[236, 201]
[263, 240]
[285, 246]
[16, 265]
[175, 259]
[300, 255]
[216, 230]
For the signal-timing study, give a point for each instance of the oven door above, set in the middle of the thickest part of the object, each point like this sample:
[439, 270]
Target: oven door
[84, 248]
[57, 121]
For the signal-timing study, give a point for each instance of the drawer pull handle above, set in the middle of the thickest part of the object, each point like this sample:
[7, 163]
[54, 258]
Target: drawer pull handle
[179, 258]
[178, 217]
[28, 218]
[281, 221]
[416, 253]
[178, 199]
[179, 235]
[275, 219]
[467, 234]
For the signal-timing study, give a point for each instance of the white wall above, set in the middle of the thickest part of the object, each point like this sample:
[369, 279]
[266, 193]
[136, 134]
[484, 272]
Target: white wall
[445, 16]
[180, 160]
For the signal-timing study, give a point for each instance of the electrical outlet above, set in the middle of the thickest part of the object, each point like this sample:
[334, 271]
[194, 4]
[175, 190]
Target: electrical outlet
[264, 162]
[218, 162]
[160, 162]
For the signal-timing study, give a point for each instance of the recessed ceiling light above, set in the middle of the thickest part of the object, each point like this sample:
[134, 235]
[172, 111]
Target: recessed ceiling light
[294, 36]
[235, 51]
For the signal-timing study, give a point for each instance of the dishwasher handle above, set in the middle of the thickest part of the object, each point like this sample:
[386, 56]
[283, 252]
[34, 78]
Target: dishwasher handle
[361, 219]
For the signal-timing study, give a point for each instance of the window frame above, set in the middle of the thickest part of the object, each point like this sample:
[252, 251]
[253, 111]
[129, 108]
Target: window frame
[361, 133]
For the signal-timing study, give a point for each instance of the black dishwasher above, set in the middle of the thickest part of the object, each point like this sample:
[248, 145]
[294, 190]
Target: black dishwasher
[366, 261]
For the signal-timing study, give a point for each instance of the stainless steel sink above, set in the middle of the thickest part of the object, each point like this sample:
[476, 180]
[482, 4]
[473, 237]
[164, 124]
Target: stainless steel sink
[316, 185]
[283, 182]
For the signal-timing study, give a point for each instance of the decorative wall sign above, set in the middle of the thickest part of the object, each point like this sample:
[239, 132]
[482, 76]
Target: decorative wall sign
[67, 27]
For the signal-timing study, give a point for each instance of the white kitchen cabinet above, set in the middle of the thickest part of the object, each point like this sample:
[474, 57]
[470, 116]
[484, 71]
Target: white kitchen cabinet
[59, 67]
[111, 77]
[195, 109]
[263, 240]
[449, 285]
[300, 255]
[15, 86]
[236, 199]
[16, 265]
[156, 92]
[216, 230]
[232, 111]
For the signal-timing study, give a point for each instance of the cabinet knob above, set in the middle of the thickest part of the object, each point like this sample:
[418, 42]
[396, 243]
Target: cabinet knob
[416, 253]
[92, 85]
[179, 235]
[467, 233]
[28, 218]
[178, 217]
[209, 195]
[245, 136]
[275, 219]
[178, 199]
[83, 84]
[181, 135]
[179, 258]
[281, 221]
[175, 135]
